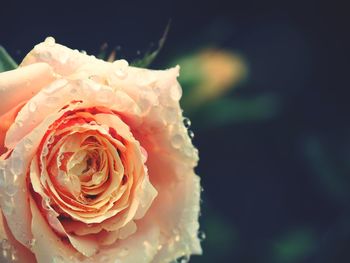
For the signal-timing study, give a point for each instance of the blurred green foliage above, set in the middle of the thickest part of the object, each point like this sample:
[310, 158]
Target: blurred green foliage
[294, 246]
[6, 61]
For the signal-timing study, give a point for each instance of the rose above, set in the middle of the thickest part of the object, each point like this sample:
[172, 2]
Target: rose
[97, 165]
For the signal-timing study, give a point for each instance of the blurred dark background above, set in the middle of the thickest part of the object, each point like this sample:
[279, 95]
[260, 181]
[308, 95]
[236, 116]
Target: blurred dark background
[266, 87]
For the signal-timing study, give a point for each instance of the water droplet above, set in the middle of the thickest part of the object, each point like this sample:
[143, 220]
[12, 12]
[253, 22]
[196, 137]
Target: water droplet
[50, 41]
[58, 259]
[187, 122]
[120, 73]
[170, 115]
[184, 259]
[16, 164]
[2, 177]
[73, 90]
[32, 106]
[4, 253]
[11, 189]
[177, 141]
[201, 235]
[32, 243]
[28, 144]
[120, 68]
[52, 100]
[95, 86]
[19, 123]
[145, 104]
[5, 244]
[14, 255]
[188, 151]
[191, 134]
[8, 206]
[54, 86]
[124, 252]
[138, 52]
[175, 92]
[104, 95]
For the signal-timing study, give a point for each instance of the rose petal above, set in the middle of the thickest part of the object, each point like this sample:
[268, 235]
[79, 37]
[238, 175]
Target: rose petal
[48, 246]
[6, 120]
[22, 83]
[11, 248]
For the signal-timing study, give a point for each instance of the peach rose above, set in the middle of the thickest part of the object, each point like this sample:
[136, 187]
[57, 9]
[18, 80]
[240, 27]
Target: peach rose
[96, 163]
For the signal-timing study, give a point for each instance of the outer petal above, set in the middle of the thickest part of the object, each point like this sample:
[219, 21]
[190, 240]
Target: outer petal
[48, 247]
[6, 120]
[140, 247]
[11, 248]
[22, 83]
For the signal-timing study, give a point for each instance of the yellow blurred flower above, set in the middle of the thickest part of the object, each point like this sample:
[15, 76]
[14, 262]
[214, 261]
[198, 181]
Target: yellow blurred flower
[216, 71]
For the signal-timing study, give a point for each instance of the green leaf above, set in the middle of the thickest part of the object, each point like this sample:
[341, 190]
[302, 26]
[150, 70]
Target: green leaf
[294, 246]
[6, 61]
[149, 57]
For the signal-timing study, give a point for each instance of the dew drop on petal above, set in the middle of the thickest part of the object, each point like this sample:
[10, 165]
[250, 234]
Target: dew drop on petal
[124, 252]
[184, 259]
[175, 92]
[104, 95]
[120, 68]
[187, 122]
[188, 151]
[170, 115]
[177, 141]
[5, 244]
[52, 101]
[28, 144]
[32, 106]
[16, 165]
[58, 259]
[32, 243]
[95, 86]
[201, 235]
[54, 86]
[19, 123]
[2, 177]
[191, 134]
[14, 255]
[11, 189]
[8, 207]
[4, 253]
[50, 41]
[73, 90]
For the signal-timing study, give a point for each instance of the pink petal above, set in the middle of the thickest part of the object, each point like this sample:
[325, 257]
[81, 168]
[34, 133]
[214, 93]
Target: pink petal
[22, 83]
